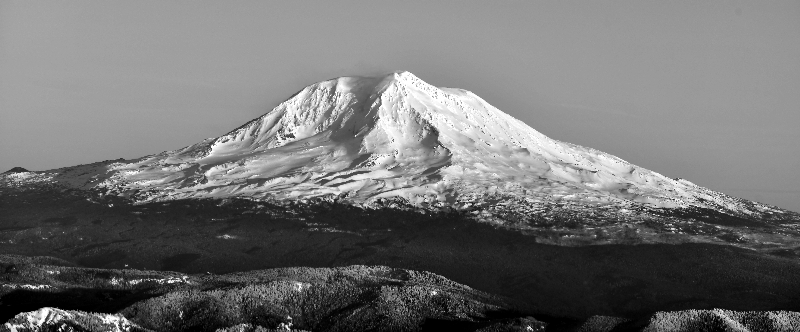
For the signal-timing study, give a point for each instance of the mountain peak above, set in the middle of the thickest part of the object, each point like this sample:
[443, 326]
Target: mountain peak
[396, 77]
[400, 74]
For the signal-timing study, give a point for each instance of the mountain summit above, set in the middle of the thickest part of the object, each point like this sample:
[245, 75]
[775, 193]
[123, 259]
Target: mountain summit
[397, 139]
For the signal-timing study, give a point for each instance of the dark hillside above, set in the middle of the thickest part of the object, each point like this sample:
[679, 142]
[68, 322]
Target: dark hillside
[227, 236]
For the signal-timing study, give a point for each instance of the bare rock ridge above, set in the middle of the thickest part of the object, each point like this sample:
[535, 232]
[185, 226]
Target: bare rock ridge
[382, 140]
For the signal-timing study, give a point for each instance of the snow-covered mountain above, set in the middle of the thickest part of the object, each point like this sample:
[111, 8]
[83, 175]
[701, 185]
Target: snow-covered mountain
[396, 139]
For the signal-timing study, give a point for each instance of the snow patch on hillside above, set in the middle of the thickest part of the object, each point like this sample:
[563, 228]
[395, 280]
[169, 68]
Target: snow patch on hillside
[47, 318]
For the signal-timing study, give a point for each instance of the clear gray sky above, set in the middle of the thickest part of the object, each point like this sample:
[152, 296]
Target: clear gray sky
[703, 90]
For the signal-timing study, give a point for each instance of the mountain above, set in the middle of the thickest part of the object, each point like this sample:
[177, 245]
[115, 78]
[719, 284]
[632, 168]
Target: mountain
[396, 141]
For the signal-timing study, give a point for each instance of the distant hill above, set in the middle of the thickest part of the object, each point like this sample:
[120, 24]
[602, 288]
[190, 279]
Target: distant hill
[351, 298]
[15, 170]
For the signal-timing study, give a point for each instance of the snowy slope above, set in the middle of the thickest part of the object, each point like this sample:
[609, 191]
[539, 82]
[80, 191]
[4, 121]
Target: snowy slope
[361, 139]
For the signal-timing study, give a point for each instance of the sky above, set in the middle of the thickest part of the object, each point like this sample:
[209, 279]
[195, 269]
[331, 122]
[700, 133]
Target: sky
[708, 91]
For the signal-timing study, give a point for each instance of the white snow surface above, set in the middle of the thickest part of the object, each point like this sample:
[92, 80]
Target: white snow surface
[47, 318]
[394, 136]
[26, 286]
